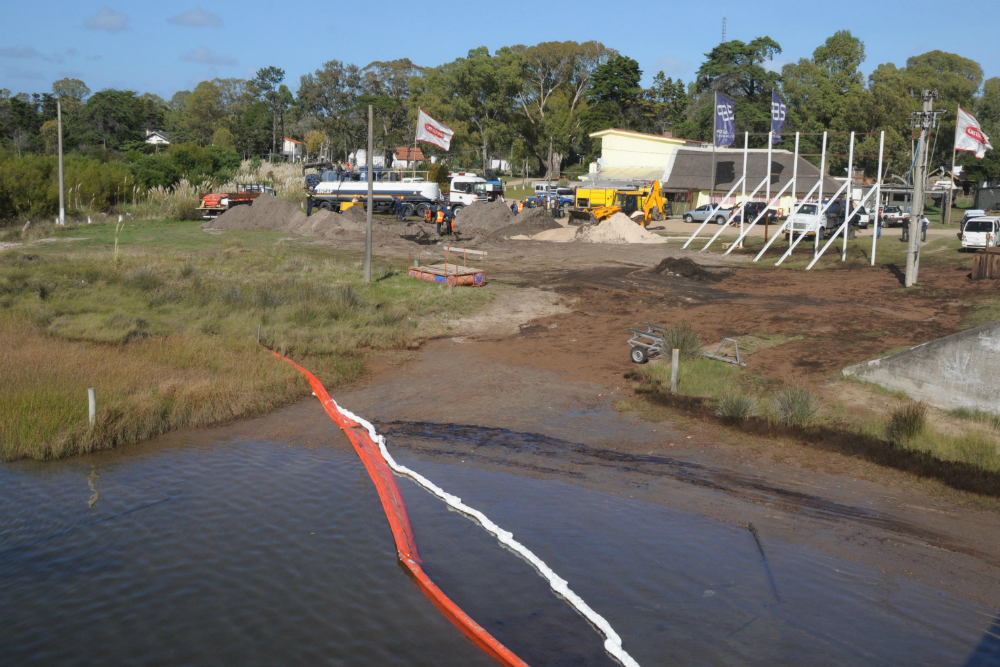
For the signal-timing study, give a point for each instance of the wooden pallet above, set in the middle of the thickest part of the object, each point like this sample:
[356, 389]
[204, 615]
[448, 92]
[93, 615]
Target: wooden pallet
[451, 273]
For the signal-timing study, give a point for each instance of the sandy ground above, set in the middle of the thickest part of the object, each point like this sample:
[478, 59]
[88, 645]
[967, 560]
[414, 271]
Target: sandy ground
[541, 371]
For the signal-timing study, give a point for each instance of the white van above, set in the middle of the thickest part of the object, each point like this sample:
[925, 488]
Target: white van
[981, 232]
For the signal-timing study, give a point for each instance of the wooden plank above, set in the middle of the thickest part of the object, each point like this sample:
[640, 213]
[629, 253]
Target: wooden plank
[467, 251]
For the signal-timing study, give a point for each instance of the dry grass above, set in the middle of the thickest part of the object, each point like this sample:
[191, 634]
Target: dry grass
[167, 335]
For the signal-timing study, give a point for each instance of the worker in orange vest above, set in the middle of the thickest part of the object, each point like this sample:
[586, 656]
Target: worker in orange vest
[440, 220]
[520, 207]
[428, 214]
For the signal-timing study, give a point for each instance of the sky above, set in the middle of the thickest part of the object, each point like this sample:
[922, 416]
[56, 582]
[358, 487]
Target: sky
[165, 47]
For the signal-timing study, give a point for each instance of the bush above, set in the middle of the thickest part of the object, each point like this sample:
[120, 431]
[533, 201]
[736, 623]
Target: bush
[907, 422]
[735, 408]
[29, 185]
[682, 337]
[153, 171]
[183, 209]
[795, 406]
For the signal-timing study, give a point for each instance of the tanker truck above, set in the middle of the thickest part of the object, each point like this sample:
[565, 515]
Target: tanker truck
[328, 189]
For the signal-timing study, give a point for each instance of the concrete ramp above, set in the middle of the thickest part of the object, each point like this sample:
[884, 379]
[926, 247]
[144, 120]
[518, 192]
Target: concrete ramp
[957, 371]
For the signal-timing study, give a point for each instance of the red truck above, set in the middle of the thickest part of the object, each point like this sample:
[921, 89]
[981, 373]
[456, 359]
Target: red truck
[216, 203]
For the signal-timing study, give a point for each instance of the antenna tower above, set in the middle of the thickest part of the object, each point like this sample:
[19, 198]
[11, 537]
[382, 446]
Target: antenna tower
[723, 28]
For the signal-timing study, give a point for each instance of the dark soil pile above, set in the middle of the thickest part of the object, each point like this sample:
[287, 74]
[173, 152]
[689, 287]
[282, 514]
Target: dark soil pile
[483, 217]
[266, 213]
[269, 213]
[685, 268]
[531, 221]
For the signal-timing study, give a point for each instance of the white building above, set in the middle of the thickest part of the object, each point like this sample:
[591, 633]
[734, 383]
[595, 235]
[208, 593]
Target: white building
[292, 150]
[158, 137]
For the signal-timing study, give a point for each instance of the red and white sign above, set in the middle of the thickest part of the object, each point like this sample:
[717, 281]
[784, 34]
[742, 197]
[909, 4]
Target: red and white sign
[969, 136]
[432, 132]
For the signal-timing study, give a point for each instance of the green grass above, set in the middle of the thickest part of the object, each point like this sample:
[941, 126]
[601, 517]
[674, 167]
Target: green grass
[890, 250]
[979, 416]
[167, 335]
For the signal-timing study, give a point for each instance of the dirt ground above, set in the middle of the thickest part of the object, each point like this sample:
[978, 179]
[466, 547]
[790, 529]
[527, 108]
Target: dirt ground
[541, 372]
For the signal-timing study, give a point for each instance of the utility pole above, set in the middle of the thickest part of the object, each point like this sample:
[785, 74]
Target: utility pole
[951, 177]
[925, 120]
[371, 189]
[549, 179]
[62, 187]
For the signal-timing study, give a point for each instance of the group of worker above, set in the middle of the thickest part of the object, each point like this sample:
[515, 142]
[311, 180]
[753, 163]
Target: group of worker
[442, 216]
[550, 203]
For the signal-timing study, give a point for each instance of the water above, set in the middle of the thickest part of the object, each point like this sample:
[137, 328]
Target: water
[242, 553]
[261, 553]
[681, 589]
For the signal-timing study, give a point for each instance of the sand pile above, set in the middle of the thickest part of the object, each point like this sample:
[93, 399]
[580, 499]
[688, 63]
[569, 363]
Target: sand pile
[619, 228]
[685, 268]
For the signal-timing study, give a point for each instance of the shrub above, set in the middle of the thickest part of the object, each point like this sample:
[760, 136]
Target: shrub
[735, 408]
[143, 279]
[795, 406]
[183, 209]
[907, 422]
[682, 337]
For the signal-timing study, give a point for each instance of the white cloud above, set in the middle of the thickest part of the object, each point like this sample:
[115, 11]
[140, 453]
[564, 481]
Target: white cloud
[107, 19]
[197, 18]
[28, 52]
[205, 56]
[18, 73]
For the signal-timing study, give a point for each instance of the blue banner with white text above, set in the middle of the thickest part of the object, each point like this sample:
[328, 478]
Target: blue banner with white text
[725, 120]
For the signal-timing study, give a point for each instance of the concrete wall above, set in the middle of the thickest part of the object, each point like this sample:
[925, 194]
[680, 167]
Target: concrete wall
[631, 149]
[957, 371]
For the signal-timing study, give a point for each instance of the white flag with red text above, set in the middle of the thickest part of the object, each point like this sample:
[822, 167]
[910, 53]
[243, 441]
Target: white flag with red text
[969, 136]
[432, 132]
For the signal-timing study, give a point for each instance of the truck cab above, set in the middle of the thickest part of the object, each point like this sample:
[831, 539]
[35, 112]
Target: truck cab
[466, 189]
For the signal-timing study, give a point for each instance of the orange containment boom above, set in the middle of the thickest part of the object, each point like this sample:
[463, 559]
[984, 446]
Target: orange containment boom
[399, 522]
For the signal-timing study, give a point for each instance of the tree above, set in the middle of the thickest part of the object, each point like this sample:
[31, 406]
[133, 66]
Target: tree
[735, 69]
[386, 86]
[613, 94]
[671, 98]
[556, 79]
[277, 96]
[316, 142]
[223, 138]
[71, 92]
[478, 90]
[331, 95]
[113, 117]
[202, 113]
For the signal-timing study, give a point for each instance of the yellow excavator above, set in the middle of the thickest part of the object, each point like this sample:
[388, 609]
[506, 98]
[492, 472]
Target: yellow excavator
[643, 205]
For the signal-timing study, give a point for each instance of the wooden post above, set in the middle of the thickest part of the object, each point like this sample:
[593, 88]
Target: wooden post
[371, 188]
[675, 358]
[92, 404]
[62, 206]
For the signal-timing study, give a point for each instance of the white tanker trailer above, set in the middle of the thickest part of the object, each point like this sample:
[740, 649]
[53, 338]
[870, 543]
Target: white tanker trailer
[327, 189]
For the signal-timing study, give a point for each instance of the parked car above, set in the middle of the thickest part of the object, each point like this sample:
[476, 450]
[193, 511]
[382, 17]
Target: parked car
[701, 213]
[753, 209]
[982, 232]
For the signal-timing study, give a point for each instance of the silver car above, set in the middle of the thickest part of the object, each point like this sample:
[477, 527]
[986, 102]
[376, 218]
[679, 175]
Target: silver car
[701, 214]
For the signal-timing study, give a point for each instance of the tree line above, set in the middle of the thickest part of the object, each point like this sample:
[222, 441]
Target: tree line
[518, 101]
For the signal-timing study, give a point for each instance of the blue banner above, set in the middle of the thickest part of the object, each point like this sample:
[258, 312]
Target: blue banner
[725, 120]
[778, 112]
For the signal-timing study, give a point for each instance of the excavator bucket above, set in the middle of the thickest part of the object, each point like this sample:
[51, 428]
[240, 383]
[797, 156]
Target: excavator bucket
[581, 217]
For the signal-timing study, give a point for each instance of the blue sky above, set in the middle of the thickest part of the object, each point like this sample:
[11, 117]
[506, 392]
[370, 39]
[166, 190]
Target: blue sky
[164, 47]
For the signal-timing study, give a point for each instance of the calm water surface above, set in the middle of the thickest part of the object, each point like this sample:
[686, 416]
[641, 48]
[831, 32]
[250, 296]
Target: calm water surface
[258, 553]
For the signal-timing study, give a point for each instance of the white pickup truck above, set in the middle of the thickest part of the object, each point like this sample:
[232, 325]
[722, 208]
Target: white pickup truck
[807, 220]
